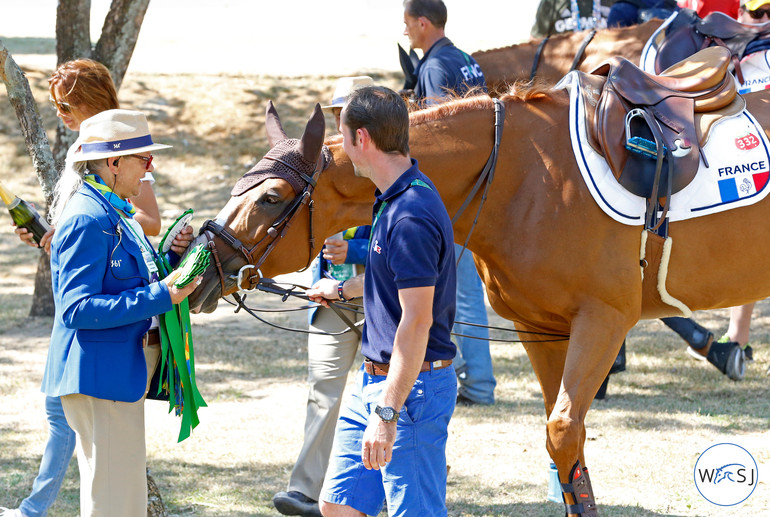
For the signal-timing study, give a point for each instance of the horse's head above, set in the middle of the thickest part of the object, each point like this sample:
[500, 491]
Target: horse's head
[264, 203]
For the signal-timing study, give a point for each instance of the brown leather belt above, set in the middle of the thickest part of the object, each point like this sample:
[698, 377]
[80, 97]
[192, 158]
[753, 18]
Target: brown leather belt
[151, 338]
[373, 368]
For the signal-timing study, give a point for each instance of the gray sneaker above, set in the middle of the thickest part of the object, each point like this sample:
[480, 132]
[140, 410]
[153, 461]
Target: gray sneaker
[296, 503]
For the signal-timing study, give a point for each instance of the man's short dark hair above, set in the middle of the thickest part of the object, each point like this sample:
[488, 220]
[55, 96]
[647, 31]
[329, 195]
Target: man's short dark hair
[433, 10]
[383, 113]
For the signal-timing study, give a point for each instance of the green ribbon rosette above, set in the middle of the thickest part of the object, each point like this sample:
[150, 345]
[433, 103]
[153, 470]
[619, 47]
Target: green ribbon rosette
[177, 363]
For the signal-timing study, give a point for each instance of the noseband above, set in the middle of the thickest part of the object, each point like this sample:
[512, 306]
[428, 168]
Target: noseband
[250, 272]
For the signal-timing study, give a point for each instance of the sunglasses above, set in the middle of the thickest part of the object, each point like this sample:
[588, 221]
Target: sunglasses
[148, 161]
[759, 13]
[61, 106]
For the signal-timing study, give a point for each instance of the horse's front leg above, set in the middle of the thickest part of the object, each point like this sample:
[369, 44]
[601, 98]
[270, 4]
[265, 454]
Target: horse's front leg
[595, 339]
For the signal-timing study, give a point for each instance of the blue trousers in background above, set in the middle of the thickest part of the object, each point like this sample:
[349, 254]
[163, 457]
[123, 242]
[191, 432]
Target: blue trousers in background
[56, 459]
[474, 362]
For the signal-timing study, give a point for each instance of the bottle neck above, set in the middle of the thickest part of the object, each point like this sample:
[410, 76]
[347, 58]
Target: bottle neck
[6, 196]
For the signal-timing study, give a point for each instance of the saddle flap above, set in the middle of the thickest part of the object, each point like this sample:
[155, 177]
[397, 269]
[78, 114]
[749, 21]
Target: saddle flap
[724, 27]
[704, 121]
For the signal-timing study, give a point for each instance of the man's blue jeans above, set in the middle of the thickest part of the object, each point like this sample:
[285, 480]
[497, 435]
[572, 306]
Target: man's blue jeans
[474, 362]
[56, 459]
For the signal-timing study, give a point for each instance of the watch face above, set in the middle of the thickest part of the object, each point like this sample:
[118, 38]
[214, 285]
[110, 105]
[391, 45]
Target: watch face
[387, 413]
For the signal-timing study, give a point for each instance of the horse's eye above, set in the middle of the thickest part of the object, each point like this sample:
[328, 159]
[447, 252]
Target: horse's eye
[270, 200]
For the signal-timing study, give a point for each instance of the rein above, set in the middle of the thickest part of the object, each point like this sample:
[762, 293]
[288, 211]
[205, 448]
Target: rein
[575, 61]
[270, 286]
[581, 50]
[487, 174]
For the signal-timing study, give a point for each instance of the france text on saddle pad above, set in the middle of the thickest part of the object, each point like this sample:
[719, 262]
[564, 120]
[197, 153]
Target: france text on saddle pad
[738, 153]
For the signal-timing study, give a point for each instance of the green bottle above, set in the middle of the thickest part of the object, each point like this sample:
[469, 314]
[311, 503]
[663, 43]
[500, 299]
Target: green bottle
[24, 215]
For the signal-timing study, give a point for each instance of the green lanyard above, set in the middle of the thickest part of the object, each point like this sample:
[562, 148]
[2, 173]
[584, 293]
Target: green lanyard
[148, 253]
[414, 183]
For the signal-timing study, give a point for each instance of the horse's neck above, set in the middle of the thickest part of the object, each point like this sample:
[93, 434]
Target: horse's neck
[342, 199]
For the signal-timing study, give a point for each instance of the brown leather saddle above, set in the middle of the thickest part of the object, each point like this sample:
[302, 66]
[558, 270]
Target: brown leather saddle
[687, 34]
[651, 129]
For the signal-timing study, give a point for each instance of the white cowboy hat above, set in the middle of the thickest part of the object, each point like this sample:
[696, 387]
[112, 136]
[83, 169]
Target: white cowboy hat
[114, 133]
[345, 86]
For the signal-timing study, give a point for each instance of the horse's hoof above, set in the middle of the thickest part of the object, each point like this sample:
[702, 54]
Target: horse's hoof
[729, 358]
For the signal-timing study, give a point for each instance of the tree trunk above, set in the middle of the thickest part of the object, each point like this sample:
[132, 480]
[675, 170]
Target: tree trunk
[155, 506]
[20, 97]
[73, 30]
[119, 34]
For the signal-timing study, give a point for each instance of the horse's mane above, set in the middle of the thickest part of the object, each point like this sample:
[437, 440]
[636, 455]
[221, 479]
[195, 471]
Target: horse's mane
[519, 91]
[609, 34]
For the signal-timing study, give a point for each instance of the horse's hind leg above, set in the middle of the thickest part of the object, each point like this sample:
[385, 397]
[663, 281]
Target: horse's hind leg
[594, 343]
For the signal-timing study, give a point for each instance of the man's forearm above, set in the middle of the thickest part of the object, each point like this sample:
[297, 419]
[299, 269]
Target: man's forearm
[405, 363]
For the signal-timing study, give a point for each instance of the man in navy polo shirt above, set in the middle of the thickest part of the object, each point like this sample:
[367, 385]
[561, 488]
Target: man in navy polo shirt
[390, 441]
[442, 70]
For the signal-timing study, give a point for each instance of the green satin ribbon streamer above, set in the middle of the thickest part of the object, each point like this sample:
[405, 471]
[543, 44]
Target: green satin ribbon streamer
[177, 364]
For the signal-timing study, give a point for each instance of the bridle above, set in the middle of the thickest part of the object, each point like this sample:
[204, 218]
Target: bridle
[250, 271]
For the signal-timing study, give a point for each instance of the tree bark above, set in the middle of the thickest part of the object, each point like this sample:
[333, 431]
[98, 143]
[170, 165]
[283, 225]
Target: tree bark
[119, 34]
[73, 30]
[20, 97]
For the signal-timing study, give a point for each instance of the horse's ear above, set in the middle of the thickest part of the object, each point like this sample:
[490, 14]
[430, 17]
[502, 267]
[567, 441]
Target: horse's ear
[275, 132]
[313, 137]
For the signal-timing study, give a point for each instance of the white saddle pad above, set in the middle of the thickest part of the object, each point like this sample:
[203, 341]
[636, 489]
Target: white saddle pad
[738, 153]
[754, 67]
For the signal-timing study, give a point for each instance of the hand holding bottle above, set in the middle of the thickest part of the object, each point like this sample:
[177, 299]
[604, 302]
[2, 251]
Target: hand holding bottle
[24, 215]
[28, 238]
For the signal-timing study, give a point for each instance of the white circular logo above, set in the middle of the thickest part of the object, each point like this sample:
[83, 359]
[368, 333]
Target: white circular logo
[726, 474]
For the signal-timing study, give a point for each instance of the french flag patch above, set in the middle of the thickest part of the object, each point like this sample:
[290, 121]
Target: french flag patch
[732, 189]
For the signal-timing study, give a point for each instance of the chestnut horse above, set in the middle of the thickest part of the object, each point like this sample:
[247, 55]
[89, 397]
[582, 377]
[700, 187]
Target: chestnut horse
[504, 66]
[551, 259]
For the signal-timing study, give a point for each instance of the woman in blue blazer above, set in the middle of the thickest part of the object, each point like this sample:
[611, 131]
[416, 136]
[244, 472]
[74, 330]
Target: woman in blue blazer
[108, 296]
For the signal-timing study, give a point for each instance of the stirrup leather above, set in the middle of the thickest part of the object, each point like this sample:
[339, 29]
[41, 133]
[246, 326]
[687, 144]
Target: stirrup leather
[580, 487]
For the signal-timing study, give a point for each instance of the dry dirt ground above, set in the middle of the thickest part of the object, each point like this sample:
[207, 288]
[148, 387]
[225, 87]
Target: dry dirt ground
[643, 440]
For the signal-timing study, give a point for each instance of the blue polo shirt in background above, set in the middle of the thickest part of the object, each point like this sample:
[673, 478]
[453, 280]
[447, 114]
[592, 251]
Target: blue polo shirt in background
[412, 245]
[443, 67]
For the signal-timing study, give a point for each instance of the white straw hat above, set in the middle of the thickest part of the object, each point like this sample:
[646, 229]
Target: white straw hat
[114, 133]
[345, 86]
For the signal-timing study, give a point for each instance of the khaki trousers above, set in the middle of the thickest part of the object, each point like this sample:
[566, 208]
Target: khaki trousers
[329, 361]
[111, 451]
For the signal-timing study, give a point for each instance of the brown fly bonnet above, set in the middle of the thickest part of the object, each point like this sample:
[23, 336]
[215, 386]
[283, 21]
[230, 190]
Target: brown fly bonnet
[290, 159]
